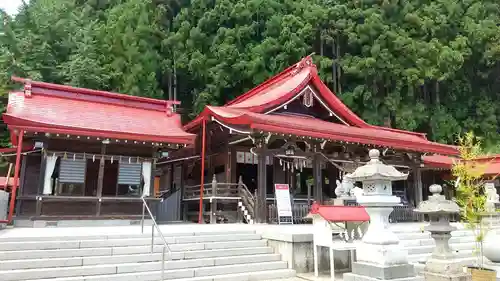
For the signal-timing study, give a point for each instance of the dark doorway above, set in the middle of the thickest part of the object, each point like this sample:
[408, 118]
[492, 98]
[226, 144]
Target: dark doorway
[248, 173]
[110, 182]
[91, 177]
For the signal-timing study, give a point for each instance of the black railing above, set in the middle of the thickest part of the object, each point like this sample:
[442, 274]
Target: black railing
[300, 210]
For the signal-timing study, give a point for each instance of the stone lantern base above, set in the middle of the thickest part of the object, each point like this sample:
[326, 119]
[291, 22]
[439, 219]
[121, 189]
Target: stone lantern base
[445, 270]
[373, 272]
[430, 276]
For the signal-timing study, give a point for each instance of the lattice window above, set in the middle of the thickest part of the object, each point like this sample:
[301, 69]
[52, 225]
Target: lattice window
[371, 187]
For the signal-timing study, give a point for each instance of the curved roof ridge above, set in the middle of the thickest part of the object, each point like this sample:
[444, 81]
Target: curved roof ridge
[291, 70]
[82, 92]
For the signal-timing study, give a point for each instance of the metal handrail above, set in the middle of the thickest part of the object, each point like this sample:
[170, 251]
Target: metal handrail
[246, 189]
[153, 226]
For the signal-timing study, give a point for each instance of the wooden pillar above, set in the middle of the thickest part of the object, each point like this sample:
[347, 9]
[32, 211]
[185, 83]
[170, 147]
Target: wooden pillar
[233, 166]
[318, 181]
[332, 177]
[22, 179]
[41, 182]
[228, 166]
[417, 185]
[261, 214]
[202, 176]
[17, 167]
[100, 179]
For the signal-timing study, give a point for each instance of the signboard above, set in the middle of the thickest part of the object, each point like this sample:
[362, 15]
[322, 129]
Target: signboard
[283, 203]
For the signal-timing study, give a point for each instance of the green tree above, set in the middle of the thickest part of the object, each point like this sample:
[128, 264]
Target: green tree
[428, 66]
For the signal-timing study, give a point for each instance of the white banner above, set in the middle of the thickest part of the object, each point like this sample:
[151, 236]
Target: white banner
[283, 203]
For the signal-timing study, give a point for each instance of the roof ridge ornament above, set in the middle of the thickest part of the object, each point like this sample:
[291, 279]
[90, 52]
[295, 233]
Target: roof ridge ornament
[27, 88]
[303, 63]
[169, 107]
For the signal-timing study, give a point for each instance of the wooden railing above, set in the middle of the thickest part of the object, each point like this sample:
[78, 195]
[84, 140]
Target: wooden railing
[247, 199]
[213, 189]
[222, 191]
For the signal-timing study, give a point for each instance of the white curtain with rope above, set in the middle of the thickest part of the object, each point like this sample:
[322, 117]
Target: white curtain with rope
[50, 165]
[146, 176]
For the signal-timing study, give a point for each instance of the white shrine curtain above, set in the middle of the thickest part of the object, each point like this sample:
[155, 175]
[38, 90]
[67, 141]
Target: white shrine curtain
[49, 170]
[146, 176]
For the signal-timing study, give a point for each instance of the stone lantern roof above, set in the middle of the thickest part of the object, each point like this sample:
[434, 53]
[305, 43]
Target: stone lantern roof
[376, 170]
[437, 203]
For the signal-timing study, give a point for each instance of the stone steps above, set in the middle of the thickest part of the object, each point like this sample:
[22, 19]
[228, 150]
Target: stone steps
[246, 276]
[193, 256]
[420, 245]
[148, 259]
[458, 247]
[430, 241]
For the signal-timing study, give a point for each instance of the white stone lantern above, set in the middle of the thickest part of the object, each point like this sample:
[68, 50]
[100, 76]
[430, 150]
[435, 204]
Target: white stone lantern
[379, 255]
[377, 198]
[442, 265]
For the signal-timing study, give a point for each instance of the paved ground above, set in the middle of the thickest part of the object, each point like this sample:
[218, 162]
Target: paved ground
[288, 279]
[171, 228]
[136, 229]
[310, 277]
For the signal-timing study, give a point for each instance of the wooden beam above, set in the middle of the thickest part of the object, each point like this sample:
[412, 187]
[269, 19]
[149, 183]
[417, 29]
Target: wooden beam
[261, 212]
[318, 180]
[100, 179]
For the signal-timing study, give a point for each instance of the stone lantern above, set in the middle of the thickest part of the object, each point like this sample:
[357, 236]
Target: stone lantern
[379, 255]
[442, 264]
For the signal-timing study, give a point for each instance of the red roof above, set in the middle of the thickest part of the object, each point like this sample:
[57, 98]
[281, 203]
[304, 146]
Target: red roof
[308, 126]
[491, 162]
[340, 213]
[439, 161]
[252, 107]
[53, 108]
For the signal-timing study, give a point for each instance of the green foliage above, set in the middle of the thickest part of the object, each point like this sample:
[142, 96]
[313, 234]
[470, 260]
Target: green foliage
[428, 66]
[470, 193]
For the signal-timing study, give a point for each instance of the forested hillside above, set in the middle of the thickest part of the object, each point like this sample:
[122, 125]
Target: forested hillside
[423, 65]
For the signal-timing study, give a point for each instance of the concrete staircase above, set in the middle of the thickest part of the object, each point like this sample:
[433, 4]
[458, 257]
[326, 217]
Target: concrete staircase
[420, 244]
[209, 256]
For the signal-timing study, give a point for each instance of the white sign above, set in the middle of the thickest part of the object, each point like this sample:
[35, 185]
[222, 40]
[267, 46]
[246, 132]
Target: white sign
[283, 204]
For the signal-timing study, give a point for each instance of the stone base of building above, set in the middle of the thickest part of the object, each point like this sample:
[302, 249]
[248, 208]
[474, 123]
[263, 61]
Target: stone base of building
[431, 276]
[362, 271]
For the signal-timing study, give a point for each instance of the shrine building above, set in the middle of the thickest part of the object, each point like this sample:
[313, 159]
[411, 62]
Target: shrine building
[291, 129]
[85, 154]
